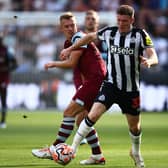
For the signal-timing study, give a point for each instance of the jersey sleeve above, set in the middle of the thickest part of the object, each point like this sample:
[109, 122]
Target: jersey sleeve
[78, 36]
[146, 41]
[101, 33]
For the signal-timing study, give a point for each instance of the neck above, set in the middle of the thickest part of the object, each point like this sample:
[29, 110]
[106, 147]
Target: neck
[126, 31]
[89, 31]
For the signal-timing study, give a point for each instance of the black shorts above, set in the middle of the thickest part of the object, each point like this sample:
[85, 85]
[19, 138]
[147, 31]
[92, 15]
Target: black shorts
[129, 102]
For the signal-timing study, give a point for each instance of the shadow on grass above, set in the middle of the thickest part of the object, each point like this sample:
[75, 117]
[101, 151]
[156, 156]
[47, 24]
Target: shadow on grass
[58, 166]
[31, 165]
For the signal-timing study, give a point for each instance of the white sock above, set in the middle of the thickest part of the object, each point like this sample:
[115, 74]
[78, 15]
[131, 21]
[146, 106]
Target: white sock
[82, 131]
[97, 156]
[136, 142]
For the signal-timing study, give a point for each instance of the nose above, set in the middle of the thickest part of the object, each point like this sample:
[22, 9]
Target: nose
[120, 23]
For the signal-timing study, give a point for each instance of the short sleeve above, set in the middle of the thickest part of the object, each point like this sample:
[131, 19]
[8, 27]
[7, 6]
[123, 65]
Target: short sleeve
[101, 33]
[146, 41]
[78, 36]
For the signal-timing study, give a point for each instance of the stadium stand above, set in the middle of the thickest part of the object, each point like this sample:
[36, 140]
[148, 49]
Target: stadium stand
[24, 23]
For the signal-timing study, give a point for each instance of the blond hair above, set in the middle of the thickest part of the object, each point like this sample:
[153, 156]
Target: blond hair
[67, 15]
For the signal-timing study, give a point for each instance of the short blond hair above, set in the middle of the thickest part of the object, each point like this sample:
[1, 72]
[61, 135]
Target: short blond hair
[67, 15]
[91, 12]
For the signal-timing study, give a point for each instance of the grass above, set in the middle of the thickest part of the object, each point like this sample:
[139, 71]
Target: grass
[40, 128]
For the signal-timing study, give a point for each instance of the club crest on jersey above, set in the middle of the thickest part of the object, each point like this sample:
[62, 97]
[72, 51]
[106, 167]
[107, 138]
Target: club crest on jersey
[101, 98]
[133, 40]
[121, 50]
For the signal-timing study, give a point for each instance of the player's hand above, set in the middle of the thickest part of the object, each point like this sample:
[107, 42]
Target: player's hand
[145, 62]
[64, 54]
[48, 65]
[62, 57]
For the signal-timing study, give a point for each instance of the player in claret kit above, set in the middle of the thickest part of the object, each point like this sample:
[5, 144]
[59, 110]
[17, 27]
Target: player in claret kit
[89, 72]
[91, 24]
[7, 64]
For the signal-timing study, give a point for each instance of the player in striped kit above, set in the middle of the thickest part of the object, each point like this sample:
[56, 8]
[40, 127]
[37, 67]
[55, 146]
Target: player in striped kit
[126, 46]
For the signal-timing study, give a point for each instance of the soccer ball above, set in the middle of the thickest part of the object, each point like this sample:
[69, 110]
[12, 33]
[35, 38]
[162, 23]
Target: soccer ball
[62, 153]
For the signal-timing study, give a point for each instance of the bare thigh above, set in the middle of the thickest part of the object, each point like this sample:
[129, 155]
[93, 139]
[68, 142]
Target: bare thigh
[73, 109]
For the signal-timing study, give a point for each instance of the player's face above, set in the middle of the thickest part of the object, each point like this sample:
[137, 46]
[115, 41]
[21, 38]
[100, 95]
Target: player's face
[124, 23]
[68, 27]
[91, 23]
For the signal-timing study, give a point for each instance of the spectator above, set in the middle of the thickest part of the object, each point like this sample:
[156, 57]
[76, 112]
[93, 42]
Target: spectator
[46, 49]
[7, 64]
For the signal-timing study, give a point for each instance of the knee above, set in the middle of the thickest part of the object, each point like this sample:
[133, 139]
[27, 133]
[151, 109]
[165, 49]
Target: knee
[135, 129]
[69, 113]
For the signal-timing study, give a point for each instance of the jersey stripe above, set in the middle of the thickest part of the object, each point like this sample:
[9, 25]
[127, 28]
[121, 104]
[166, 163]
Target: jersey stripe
[122, 65]
[132, 61]
[113, 72]
[128, 63]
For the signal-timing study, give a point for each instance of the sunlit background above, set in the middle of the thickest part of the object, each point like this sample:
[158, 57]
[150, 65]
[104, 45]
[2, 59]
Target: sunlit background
[30, 28]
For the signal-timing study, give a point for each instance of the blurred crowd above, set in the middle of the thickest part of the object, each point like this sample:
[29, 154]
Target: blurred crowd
[34, 45]
[79, 5]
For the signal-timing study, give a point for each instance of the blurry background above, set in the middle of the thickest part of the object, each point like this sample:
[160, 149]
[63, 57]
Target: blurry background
[31, 31]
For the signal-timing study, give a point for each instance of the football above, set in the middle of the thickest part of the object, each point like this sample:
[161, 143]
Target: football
[62, 153]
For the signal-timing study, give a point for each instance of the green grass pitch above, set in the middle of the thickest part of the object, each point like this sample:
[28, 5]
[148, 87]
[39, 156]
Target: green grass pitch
[40, 128]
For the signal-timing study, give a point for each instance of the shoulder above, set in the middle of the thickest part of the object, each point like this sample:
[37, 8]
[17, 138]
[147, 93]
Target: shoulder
[141, 31]
[146, 39]
[111, 28]
[107, 29]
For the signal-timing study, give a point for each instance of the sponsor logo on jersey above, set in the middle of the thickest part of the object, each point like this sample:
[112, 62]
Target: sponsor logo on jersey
[122, 50]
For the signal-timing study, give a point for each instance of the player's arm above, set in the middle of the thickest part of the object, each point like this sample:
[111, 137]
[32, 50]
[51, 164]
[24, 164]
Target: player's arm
[151, 59]
[147, 44]
[70, 62]
[81, 42]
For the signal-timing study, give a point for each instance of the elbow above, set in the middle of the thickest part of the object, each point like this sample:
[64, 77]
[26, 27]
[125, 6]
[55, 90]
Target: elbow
[73, 66]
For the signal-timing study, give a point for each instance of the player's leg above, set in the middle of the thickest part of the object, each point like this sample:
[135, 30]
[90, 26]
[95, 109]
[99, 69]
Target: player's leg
[68, 122]
[79, 118]
[93, 141]
[103, 101]
[135, 135]
[135, 132]
[130, 105]
[86, 125]
[3, 91]
[65, 130]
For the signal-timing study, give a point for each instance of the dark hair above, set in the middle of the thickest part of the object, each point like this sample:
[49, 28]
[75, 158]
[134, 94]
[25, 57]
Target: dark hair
[126, 10]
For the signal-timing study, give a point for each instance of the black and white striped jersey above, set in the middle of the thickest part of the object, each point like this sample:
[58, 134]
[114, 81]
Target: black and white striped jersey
[124, 51]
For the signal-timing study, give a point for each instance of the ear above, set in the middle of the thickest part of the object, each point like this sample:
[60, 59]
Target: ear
[132, 20]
